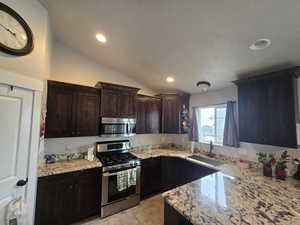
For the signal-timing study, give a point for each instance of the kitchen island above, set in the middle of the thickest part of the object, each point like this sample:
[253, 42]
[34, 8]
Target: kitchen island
[234, 197]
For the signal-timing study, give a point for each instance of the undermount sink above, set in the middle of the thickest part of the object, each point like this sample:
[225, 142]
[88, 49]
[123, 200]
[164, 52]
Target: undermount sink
[205, 160]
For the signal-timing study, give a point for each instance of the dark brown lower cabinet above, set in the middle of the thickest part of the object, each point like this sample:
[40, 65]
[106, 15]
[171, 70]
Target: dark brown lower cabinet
[66, 198]
[165, 173]
[150, 176]
[172, 217]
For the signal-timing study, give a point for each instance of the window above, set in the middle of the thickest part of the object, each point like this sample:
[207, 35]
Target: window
[211, 122]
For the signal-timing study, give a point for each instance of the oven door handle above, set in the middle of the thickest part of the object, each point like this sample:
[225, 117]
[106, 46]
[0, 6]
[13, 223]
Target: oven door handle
[116, 173]
[109, 174]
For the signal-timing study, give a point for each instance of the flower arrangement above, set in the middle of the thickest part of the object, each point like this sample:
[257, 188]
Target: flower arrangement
[268, 160]
[282, 165]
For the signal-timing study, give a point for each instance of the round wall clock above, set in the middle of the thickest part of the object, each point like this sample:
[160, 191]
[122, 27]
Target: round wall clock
[16, 36]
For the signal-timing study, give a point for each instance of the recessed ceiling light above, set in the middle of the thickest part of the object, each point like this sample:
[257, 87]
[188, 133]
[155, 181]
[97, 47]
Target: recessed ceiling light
[101, 38]
[170, 79]
[260, 44]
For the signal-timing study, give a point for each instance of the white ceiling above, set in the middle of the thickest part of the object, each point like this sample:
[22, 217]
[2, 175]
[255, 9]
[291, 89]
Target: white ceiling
[191, 39]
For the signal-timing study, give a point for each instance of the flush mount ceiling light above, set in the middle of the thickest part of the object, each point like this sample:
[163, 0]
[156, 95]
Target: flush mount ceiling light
[101, 38]
[260, 44]
[203, 85]
[170, 79]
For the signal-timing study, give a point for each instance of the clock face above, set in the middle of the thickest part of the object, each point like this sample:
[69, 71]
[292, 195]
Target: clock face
[16, 36]
[12, 32]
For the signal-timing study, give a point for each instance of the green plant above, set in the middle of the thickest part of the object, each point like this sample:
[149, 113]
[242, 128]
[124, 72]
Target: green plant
[262, 157]
[282, 161]
[265, 159]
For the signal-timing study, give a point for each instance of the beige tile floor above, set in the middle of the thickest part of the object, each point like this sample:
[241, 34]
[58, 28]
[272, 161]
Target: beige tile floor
[148, 212]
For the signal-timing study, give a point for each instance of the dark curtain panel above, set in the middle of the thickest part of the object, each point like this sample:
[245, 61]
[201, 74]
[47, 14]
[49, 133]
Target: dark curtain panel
[193, 135]
[231, 137]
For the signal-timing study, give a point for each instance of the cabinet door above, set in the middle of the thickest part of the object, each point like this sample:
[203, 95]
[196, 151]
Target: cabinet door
[193, 171]
[153, 115]
[55, 200]
[88, 193]
[171, 114]
[87, 114]
[60, 107]
[150, 176]
[109, 103]
[171, 173]
[253, 112]
[127, 105]
[281, 104]
[141, 116]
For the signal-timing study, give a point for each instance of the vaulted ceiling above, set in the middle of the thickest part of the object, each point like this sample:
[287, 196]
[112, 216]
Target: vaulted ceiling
[190, 40]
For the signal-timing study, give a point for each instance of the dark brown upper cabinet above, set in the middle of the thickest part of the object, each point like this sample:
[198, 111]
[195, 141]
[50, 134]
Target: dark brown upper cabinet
[117, 100]
[72, 110]
[175, 113]
[267, 109]
[148, 119]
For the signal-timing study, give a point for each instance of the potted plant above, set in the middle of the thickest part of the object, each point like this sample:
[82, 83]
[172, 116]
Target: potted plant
[268, 161]
[281, 166]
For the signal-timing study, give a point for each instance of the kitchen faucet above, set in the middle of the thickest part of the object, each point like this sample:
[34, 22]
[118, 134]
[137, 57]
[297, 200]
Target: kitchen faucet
[211, 147]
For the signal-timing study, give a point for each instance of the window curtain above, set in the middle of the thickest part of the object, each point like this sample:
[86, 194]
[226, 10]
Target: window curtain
[231, 137]
[193, 135]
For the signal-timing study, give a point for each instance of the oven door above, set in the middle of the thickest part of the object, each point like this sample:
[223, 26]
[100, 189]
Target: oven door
[111, 191]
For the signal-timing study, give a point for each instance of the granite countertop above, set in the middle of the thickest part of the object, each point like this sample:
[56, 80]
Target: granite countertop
[81, 164]
[236, 196]
[161, 152]
[66, 166]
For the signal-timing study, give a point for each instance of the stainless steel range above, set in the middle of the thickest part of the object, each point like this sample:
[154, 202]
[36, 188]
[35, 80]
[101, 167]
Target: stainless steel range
[121, 176]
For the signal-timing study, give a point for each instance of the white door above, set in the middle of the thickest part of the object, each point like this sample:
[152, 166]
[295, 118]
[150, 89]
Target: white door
[16, 106]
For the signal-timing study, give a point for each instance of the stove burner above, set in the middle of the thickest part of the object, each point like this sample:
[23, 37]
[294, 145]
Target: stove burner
[116, 158]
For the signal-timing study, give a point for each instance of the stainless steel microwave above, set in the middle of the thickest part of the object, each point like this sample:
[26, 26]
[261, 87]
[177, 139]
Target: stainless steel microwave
[111, 127]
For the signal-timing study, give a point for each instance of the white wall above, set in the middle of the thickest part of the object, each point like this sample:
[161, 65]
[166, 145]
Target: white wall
[247, 151]
[68, 65]
[37, 63]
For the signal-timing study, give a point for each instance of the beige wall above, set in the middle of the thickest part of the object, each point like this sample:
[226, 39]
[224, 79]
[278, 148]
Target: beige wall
[68, 65]
[36, 64]
[214, 97]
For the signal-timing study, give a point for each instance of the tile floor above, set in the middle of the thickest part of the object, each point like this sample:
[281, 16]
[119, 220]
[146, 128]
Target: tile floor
[148, 212]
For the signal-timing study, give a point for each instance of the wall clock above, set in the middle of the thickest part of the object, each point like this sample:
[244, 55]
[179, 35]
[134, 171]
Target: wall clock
[15, 35]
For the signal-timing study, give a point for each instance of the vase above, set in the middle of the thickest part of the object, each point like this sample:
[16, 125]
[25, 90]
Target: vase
[267, 171]
[280, 173]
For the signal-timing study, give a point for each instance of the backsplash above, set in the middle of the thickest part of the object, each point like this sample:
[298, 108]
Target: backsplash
[63, 146]
[142, 142]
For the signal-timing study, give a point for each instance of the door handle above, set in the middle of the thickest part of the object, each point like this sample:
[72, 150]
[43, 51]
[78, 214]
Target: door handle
[22, 183]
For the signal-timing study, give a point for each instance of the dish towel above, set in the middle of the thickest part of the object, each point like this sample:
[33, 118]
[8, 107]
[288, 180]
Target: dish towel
[122, 180]
[126, 179]
[132, 177]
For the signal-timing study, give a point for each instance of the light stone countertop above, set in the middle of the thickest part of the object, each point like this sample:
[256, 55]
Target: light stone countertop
[161, 152]
[235, 196]
[66, 167]
[81, 164]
